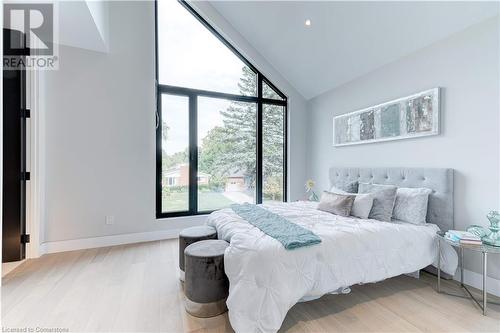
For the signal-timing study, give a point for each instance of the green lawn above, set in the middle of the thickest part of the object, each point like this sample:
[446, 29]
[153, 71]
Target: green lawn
[206, 201]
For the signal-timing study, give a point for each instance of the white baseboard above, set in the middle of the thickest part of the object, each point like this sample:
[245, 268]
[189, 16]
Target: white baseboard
[475, 280]
[103, 241]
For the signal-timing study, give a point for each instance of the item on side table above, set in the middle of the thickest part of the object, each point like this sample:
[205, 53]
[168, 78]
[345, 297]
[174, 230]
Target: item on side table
[494, 237]
[471, 242]
[478, 230]
[463, 237]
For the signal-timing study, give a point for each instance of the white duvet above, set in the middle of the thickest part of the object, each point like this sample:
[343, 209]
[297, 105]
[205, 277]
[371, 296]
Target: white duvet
[266, 280]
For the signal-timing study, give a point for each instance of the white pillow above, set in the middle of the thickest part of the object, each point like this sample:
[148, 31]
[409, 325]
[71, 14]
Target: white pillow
[411, 205]
[362, 203]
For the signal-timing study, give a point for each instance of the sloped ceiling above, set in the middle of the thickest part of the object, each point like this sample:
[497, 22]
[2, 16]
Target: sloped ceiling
[346, 39]
[83, 24]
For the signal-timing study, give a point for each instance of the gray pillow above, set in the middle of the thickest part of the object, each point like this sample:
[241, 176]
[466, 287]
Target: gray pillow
[411, 205]
[362, 203]
[383, 201]
[347, 186]
[338, 204]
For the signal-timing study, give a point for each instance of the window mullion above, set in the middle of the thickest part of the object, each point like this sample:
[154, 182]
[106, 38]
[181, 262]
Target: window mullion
[193, 153]
[258, 184]
[159, 155]
[285, 153]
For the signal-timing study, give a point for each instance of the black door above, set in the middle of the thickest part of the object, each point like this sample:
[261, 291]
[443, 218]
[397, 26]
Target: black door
[14, 157]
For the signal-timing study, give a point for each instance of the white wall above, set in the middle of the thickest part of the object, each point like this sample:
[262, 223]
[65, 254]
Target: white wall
[100, 131]
[466, 66]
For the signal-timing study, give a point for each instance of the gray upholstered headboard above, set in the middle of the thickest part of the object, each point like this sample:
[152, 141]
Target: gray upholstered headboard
[440, 209]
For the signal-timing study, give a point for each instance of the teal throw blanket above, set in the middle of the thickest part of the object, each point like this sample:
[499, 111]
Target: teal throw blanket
[289, 234]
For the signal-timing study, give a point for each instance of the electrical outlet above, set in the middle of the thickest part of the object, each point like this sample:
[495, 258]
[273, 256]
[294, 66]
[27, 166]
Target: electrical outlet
[109, 220]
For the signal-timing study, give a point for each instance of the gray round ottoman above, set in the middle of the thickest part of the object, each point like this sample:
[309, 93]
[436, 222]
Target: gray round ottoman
[189, 236]
[206, 285]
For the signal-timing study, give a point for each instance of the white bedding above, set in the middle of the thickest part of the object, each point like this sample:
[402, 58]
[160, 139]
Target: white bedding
[266, 280]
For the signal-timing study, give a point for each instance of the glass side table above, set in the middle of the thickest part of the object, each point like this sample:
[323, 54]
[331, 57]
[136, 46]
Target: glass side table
[484, 249]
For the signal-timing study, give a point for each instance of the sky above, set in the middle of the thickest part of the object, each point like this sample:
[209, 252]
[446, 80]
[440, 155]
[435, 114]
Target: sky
[191, 56]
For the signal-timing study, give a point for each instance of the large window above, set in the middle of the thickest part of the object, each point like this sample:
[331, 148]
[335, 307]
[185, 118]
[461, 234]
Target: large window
[221, 134]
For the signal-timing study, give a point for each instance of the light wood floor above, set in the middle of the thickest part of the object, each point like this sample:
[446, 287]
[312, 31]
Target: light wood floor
[136, 288]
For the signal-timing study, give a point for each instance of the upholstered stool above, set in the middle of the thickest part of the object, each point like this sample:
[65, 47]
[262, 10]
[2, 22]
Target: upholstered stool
[189, 236]
[206, 286]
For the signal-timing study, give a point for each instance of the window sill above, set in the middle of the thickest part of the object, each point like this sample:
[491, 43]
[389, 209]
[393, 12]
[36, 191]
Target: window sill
[180, 216]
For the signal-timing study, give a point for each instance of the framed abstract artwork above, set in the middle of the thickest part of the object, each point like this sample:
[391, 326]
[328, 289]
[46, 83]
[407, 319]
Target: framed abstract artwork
[407, 117]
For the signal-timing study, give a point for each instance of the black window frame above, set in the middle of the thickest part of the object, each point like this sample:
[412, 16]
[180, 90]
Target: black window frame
[192, 95]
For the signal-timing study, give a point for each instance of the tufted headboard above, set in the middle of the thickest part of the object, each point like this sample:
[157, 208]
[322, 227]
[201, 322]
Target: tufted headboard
[440, 208]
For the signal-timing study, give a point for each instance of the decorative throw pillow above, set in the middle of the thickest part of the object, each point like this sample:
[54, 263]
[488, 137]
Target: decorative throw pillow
[362, 203]
[411, 205]
[338, 204]
[383, 200]
[347, 186]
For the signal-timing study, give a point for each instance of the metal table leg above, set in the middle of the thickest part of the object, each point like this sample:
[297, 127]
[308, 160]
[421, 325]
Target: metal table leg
[462, 266]
[485, 266]
[439, 266]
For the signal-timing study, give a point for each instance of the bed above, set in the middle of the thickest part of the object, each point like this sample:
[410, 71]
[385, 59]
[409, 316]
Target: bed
[266, 280]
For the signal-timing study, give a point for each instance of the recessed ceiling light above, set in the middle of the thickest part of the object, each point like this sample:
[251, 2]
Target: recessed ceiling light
[308, 22]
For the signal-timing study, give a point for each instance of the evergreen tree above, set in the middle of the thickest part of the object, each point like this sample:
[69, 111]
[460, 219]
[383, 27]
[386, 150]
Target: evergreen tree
[240, 125]
[232, 148]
